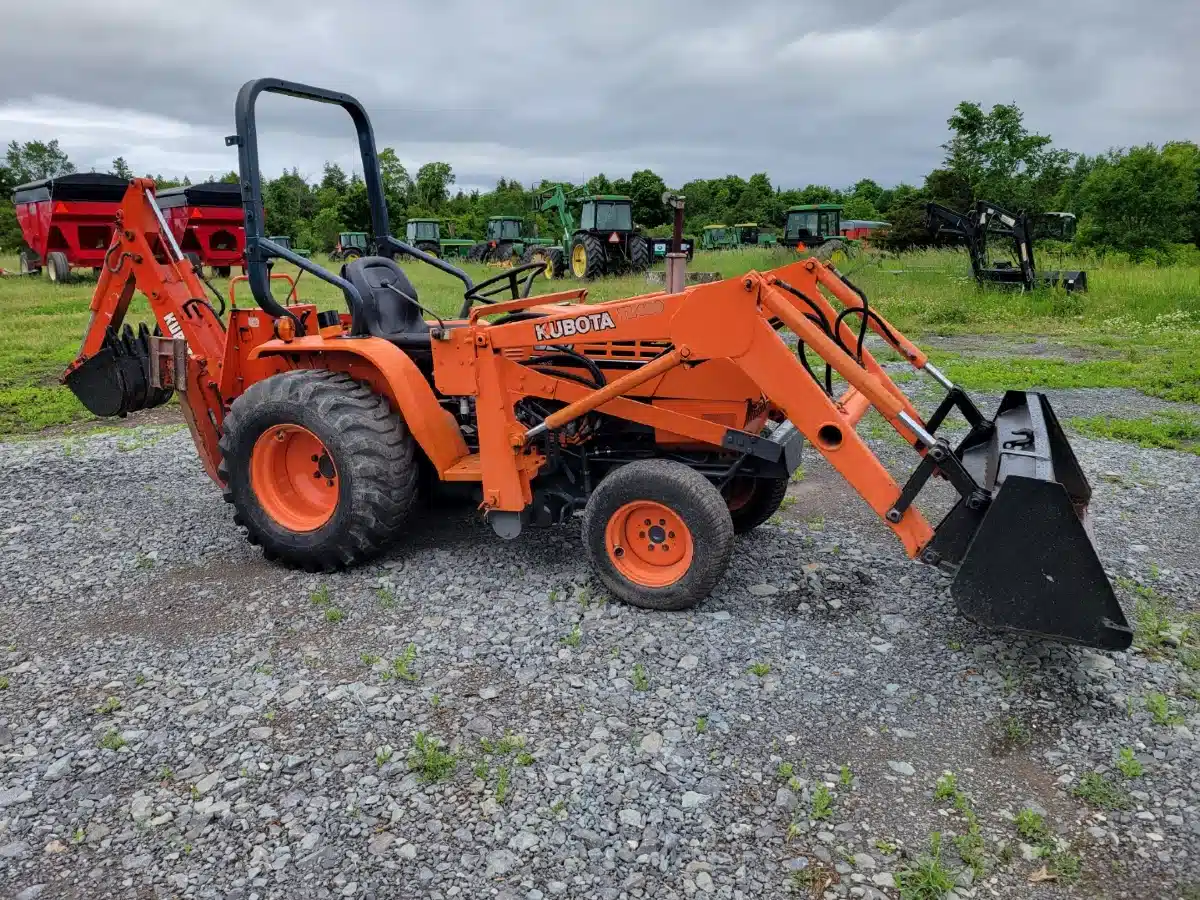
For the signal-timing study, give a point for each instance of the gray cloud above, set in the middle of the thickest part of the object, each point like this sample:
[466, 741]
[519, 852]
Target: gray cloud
[809, 92]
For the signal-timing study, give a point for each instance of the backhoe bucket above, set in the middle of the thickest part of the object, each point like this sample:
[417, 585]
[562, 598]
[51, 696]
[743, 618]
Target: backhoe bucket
[115, 381]
[1025, 561]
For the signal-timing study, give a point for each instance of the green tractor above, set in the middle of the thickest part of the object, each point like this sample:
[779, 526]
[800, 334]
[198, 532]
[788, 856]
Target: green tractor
[505, 241]
[816, 228]
[426, 236]
[350, 245]
[748, 234]
[718, 237]
[602, 241]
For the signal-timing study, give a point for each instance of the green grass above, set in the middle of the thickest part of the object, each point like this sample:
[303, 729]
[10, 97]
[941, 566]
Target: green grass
[429, 760]
[1128, 764]
[1096, 790]
[927, 878]
[1144, 319]
[1171, 431]
[822, 803]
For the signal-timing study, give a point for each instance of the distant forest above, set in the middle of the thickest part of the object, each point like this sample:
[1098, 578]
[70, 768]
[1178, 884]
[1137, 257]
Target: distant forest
[1141, 201]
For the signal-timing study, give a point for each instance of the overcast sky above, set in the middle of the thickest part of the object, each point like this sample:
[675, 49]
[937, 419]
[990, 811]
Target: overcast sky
[808, 92]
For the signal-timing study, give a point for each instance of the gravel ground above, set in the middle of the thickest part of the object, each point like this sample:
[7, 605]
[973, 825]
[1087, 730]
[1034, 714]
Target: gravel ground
[181, 719]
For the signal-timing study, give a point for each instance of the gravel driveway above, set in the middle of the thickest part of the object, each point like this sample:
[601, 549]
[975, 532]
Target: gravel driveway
[180, 718]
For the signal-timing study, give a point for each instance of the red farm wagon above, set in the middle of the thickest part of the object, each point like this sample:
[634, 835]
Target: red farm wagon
[67, 222]
[860, 229]
[206, 220]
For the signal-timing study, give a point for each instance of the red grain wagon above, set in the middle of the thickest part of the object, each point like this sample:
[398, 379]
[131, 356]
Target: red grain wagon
[860, 229]
[206, 220]
[67, 222]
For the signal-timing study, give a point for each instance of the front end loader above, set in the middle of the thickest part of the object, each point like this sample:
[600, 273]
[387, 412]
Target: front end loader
[670, 421]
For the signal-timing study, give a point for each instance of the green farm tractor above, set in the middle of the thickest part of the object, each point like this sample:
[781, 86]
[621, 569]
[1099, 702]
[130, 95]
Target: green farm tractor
[506, 242]
[350, 245]
[718, 237]
[601, 241]
[817, 229]
[750, 235]
[426, 236]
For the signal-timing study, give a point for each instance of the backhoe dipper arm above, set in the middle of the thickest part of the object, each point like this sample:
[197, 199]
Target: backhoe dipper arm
[119, 371]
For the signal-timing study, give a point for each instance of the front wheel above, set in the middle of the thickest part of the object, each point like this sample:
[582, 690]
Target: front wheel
[57, 267]
[659, 534]
[321, 471]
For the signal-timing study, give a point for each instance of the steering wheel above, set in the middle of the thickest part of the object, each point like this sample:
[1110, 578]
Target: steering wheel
[486, 291]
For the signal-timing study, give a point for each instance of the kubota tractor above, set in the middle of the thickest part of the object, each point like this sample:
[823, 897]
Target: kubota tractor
[671, 421]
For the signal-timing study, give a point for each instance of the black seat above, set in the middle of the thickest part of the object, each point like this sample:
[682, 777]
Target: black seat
[389, 303]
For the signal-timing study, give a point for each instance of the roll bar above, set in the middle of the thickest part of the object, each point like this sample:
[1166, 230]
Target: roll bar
[259, 248]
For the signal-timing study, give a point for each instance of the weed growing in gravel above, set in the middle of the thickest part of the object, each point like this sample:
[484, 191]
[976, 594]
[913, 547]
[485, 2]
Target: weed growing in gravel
[524, 758]
[1096, 790]
[641, 681]
[970, 847]
[1066, 865]
[584, 595]
[112, 740]
[845, 776]
[816, 523]
[139, 679]
[701, 724]
[386, 596]
[946, 787]
[502, 778]
[761, 669]
[78, 836]
[1031, 825]
[822, 803]
[1012, 734]
[785, 771]
[3, 682]
[1128, 764]
[166, 774]
[383, 755]
[109, 706]
[369, 659]
[402, 666]
[954, 646]
[887, 848]
[480, 769]
[429, 760]
[333, 615]
[270, 715]
[798, 475]
[1159, 708]
[573, 637]
[927, 878]
[812, 880]
[320, 597]
[786, 503]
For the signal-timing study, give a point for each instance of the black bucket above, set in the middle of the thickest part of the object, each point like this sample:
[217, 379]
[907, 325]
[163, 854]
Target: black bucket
[115, 381]
[1025, 561]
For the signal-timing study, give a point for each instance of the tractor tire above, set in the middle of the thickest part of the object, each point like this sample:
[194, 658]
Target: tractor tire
[826, 251]
[350, 254]
[752, 501]
[588, 260]
[675, 560]
[431, 249]
[194, 259]
[57, 267]
[502, 253]
[223, 271]
[639, 253]
[30, 263]
[322, 473]
[531, 250]
[477, 252]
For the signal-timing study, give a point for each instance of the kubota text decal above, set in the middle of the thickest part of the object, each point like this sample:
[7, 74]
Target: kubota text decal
[561, 328]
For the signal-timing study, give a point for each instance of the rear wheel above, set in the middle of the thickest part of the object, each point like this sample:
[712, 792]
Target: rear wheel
[351, 253]
[659, 534]
[30, 263]
[57, 267]
[587, 257]
[501, 253]
[477, 252]
[752, 501]
[431, 249]
[639, 253]
[321, 472]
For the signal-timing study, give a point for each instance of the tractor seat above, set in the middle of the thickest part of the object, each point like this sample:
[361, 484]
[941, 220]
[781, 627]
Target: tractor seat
[385, 313]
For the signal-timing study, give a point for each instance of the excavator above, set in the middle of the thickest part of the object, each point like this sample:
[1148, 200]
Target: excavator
[668, 422]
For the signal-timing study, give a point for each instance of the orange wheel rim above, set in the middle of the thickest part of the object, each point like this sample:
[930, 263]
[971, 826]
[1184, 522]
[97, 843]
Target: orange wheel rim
[738, 493]
[294, 478]
[648, 543]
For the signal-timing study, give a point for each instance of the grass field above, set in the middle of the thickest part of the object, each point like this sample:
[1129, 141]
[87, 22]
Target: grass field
[1137, 327]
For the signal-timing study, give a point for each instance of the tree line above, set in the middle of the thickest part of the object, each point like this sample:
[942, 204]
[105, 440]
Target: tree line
[1143, 201]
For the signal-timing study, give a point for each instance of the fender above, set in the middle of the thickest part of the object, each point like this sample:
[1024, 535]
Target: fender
[390, 372]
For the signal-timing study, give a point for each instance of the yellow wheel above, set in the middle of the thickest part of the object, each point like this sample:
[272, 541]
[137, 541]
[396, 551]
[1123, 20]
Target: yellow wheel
[579, 261]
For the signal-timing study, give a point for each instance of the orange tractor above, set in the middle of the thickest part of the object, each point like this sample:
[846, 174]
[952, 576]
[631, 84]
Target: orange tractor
[672, 421]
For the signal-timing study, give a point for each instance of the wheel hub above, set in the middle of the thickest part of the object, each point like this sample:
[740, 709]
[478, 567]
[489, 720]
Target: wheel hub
[649, 544]
[294, 478]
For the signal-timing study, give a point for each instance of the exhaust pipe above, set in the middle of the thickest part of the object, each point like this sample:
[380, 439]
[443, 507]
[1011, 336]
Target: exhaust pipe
[1024, 559]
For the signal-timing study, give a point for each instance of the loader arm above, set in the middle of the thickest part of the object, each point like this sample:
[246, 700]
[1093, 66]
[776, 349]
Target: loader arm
[118, 370]
[1017, 538]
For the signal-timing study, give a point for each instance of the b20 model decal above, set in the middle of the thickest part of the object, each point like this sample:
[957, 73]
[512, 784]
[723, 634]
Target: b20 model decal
[561, 328]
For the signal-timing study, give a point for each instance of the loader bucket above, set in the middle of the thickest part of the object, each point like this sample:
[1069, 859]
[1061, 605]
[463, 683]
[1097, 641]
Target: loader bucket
[1025, 561]
[115, 381]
